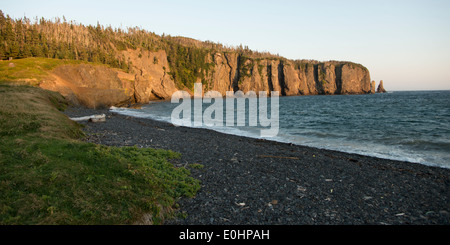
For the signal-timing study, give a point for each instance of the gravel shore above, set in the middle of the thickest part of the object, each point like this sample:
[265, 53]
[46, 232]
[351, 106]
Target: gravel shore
[249, 181]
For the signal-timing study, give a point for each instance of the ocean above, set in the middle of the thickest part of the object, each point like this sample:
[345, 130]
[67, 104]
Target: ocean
[411, 126]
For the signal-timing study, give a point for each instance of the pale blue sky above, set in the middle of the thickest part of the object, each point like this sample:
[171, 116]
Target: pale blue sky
[406, 43]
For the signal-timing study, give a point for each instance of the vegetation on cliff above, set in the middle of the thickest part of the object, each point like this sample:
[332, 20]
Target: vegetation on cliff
[188, 64]
[32, 70]
[151, 66]
[49, 176]
[23, 38]
[62, 39]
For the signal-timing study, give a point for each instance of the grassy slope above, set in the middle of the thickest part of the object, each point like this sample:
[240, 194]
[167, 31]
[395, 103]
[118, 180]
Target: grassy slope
[32, 70]
[48, 176]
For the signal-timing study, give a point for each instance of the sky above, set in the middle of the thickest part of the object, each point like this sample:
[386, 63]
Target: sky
[405, 43]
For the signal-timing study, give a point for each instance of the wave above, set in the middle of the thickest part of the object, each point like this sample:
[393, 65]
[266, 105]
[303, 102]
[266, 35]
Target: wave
[385, 131]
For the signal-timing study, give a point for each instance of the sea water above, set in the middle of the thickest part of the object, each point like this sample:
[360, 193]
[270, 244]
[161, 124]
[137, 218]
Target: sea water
[411, 126]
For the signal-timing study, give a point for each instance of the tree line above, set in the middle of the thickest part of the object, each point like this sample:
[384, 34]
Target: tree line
[62, 39]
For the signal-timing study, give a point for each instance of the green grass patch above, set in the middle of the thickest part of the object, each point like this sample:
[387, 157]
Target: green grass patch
[30, 69]
[49, 176]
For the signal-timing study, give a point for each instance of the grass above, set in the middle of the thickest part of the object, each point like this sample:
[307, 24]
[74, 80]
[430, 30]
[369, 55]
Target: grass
[49, 176]
[32, 70]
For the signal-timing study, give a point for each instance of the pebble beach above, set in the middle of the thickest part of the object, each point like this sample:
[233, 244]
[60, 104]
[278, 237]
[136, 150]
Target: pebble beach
[248, 181]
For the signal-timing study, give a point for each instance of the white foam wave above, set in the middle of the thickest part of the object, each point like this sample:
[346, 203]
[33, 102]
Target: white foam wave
[366, 149]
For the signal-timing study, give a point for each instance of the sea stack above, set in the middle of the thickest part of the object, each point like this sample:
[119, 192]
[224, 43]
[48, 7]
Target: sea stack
[381, 88]
[372, 87]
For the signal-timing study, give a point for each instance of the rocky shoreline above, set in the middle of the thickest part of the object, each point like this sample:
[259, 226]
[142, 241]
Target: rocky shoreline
[249, 181]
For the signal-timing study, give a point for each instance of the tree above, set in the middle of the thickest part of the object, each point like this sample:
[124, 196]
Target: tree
[36, 46]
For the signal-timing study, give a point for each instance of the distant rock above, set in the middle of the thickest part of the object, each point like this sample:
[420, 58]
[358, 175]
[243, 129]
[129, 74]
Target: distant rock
[381, 88]
[372, 87]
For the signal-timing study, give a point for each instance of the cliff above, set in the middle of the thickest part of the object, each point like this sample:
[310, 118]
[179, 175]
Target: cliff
[97, 86]
[232, 72]
[380, 88]
[93, 86]
[115, 67]
[149, 78]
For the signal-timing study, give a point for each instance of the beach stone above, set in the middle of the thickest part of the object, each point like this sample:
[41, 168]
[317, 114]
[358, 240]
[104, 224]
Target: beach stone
[280, 190]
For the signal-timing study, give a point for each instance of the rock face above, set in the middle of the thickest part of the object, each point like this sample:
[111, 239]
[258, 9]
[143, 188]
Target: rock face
[100, 86]
[372, 87]
[381, 88]
[149, 78]
[232, 73]
[93, 86]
